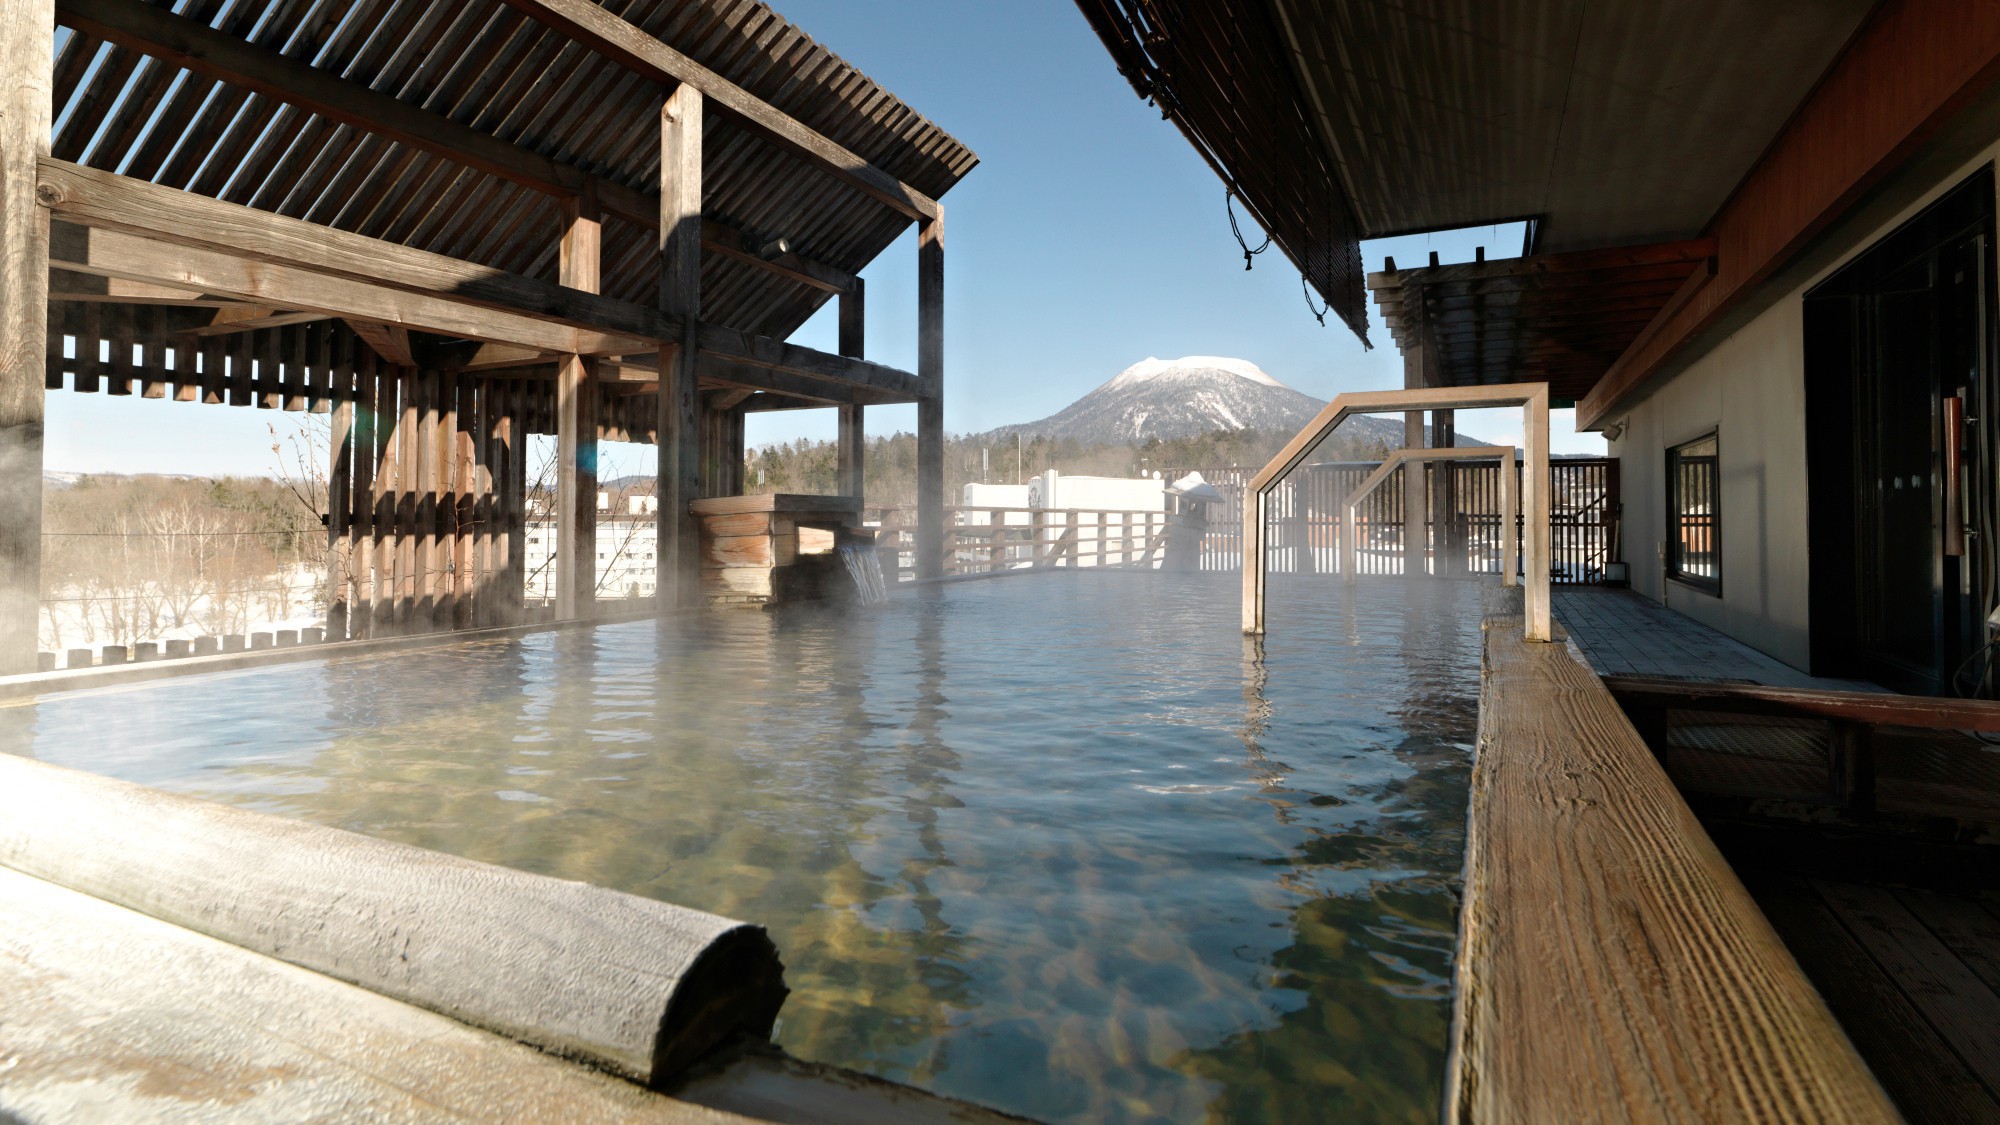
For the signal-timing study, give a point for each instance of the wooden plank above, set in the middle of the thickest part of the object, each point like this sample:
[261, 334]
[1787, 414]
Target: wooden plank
[744, 523]
[1610, 963]
[340, 476]
[630, 46]
[789, 502]
[1970, 932]
[1880, 708]
[1965, 1011]
[678, 537]
[764, 550]
[1915, 1064]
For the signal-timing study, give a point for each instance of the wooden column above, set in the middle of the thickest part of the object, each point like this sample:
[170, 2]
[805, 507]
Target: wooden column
[424, 503]
[1535, 506]
[930, 409]
[576, 426]
[339, 379]
[1415, 509]
[361, 616]
[27, 52]
[853, 434]
[679, 539]
[1444, 495]
[410, 387]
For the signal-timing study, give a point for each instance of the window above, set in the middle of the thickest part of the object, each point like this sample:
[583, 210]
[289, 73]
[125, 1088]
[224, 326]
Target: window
[1694, 515]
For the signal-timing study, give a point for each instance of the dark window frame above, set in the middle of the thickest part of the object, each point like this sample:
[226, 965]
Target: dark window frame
[1689, 481]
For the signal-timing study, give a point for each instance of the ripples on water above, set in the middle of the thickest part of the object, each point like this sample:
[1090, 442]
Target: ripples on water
[1065, 845]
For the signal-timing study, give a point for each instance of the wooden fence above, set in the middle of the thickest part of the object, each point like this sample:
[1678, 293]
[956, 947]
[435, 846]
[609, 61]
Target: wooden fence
[1463, 528]
[981, 540]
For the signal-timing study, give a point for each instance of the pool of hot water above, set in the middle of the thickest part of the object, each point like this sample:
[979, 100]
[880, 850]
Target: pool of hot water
[1066, 845]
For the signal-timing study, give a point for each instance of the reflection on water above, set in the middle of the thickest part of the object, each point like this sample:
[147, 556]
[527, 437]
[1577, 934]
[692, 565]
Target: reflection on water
[1065, 845]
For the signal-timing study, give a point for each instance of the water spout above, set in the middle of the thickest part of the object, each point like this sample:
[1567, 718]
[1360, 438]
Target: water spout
[866, 570]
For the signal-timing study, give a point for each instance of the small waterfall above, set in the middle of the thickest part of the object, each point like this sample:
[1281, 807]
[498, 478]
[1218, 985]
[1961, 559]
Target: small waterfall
[866, 570]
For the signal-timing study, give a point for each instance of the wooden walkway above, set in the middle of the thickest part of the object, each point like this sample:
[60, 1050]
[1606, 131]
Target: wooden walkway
[1624, 634]
[1914, 976]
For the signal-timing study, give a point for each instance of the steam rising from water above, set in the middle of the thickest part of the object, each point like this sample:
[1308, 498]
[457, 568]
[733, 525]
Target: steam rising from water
[1072, 826]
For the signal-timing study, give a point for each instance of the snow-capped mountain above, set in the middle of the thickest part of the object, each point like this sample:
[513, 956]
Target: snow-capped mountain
[1197, 394]
[1171, 398]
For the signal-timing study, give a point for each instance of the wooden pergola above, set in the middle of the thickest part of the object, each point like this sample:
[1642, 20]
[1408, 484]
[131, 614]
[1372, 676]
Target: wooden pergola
[452, 226]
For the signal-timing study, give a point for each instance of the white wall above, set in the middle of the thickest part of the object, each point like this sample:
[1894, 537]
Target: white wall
[1750, 389]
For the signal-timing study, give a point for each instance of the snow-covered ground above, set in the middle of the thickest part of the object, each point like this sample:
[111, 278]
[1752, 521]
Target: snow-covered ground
[287, 599]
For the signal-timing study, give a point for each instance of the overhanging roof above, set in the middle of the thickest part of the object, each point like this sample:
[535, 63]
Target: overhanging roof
[1608, 124]
[486, 66]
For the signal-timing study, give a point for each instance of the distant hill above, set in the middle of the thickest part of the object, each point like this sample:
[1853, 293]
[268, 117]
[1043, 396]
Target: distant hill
[1167, 399]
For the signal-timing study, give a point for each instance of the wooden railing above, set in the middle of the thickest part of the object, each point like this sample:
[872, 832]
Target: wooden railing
[986, 540]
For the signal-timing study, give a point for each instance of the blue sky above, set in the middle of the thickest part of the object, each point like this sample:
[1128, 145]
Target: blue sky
[1090, 237]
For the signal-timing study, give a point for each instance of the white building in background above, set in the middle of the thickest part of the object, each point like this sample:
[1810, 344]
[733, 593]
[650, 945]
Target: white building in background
[626, 546]
[1123, 499]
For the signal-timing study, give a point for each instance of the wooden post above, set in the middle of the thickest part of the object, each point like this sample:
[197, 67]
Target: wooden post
[1535, 503]
[410, 385]
[1443, 500]
[470, 491]
[1510, 508]
[1416, 533]
[361, 616]
[576, 425]
[930, 409]
[424, 507]
[514, 597]
[853, 435]
[27, 53]
[678, 547]
[339, 499]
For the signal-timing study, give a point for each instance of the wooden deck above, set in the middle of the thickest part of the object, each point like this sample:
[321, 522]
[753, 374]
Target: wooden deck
[1914, 976]
[1624, 634]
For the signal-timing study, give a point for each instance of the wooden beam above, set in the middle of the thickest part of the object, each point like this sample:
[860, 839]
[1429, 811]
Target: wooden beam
[1903, 77]
[118, 254]
[571, 320]
[930, 408]
[729, 241]
[590, 25]
[1610, 963]
[27, 43]
[252, 318]
[678, 430]
[852, 446]
[714, 370]
[761, 351]
[1615, 259]
[390, 341]
[188, 43]
[67, 286]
